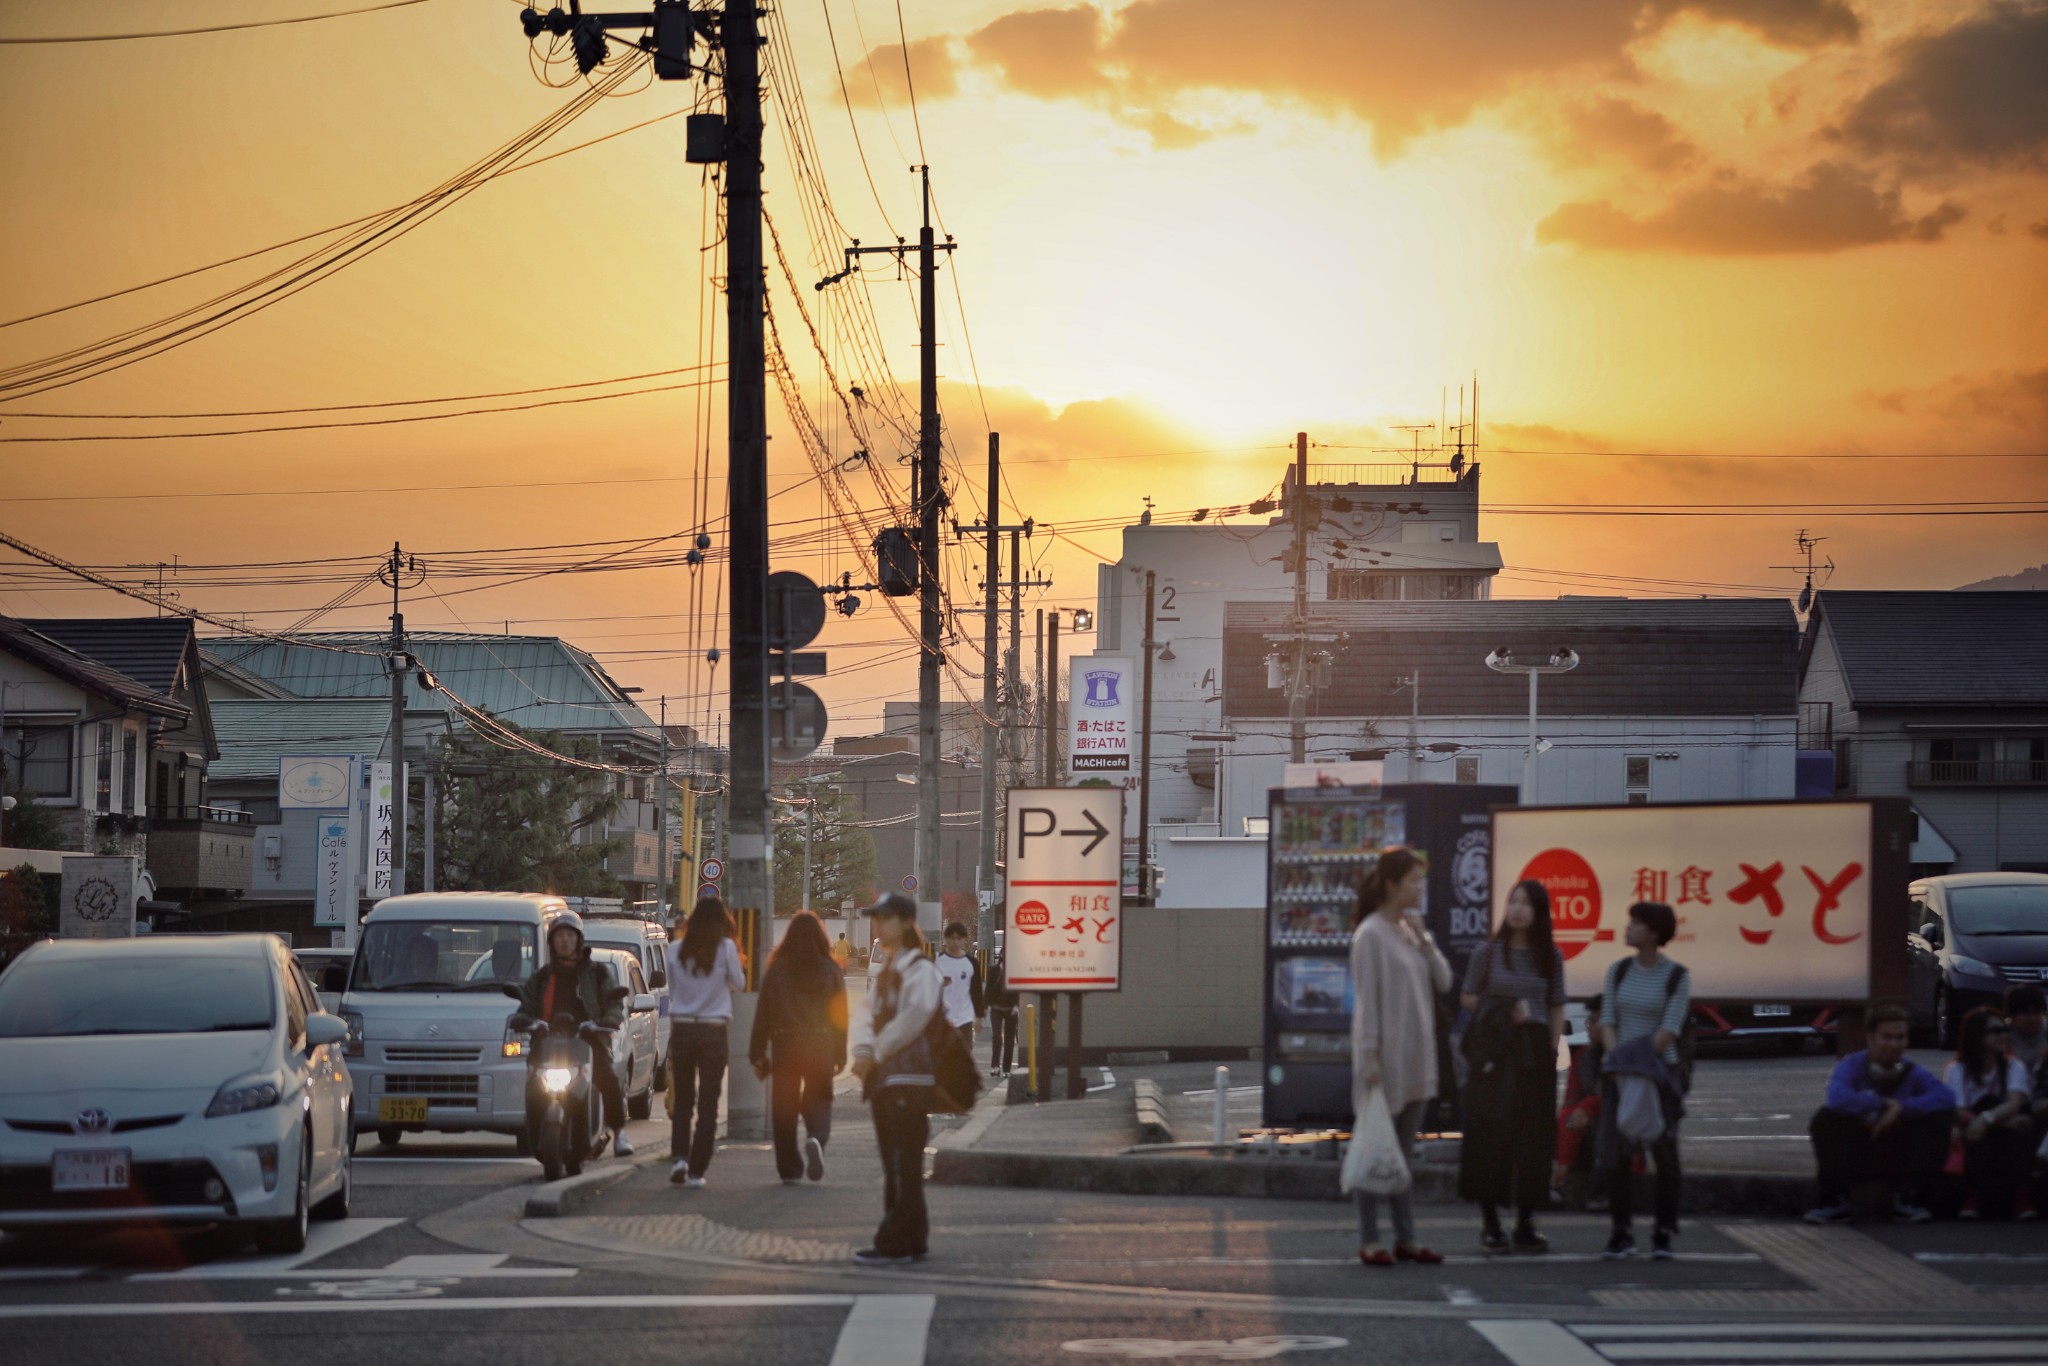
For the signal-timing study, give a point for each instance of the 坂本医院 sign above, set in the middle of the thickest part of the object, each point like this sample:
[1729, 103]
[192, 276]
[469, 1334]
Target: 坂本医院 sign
[1063, 901]
[1102, 714]
[1774, 900]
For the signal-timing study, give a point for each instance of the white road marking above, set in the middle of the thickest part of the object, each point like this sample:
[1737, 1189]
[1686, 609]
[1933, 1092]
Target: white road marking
[1536, 1342]
[1450, 1259]
[1923, 1351]
[45, 1273]
[321, 1240]
[1602, 1332]
[482, 1304]
[373, 1159]
[1458, 1294]
[886, 1330]
[2016, 1258]
[1236, 1349]
[1108, 1081]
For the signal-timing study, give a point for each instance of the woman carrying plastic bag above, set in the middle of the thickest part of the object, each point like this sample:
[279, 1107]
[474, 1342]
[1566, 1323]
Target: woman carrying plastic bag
[1396, 973]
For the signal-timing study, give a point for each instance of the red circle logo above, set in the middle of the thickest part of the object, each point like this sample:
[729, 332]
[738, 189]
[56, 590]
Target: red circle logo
[1033, 917]
[1574, 899]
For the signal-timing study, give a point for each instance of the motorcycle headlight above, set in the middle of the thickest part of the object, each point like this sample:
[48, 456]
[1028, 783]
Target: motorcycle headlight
[243, 1095]
[556, 1078]
[352, 1047]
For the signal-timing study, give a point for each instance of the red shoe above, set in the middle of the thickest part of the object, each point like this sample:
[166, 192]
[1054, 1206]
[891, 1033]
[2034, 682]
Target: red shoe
[1378, 1256]
[1422, 1256]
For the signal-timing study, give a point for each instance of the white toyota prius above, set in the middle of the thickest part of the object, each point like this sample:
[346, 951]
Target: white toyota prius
[171, 1080]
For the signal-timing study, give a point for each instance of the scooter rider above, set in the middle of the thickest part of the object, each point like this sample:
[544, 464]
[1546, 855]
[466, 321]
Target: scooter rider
[572, 985]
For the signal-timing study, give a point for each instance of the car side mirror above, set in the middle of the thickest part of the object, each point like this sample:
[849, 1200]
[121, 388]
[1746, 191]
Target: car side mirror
[324, 1029]
[659, 981]
[1931, 932]
[643, 1003]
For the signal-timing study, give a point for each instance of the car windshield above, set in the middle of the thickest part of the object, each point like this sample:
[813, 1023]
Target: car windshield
[48, 996]
[445, 955]
[2014, 908]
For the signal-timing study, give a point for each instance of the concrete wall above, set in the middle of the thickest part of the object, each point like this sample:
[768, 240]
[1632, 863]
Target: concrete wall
[1191, 985]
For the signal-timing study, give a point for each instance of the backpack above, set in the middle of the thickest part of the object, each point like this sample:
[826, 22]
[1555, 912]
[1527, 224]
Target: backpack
[956, 1080]
[1688, 1044]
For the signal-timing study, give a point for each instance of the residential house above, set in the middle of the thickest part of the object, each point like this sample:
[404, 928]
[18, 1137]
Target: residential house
[1941, 698]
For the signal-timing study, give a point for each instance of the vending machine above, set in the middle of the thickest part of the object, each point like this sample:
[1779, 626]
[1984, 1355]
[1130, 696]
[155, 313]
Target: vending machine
[1321, 842]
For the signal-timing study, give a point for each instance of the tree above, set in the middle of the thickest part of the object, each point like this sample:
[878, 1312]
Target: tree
[528, 824]
[30, 825]
[842, 853]
[27, 910]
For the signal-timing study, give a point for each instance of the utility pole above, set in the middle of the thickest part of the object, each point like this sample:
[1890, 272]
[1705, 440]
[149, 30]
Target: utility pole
[1048, 683]
[397, 566]
[1145, 750]
[1297, 678]
[930, 905]
[810, 837]
[661, 822]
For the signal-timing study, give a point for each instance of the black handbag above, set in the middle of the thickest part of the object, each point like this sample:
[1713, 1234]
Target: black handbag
[956, 1079]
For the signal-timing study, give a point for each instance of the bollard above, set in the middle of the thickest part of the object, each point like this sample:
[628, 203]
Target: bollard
[1031, 1046]
[1221, 1127]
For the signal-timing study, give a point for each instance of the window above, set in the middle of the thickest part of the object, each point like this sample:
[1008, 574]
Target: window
[1638, 779]
[1959, 759]
[1468, 768]
[43, 754]
[103, 790]
[1440, 587]
[131, 774]
[1361, 585]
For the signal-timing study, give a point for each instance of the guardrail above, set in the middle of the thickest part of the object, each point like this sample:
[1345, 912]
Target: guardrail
[1977, 773]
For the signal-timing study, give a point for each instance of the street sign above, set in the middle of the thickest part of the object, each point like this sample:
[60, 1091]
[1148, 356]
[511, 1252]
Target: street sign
[713, 870]
[1102, 714]
[708, 889]
[1063, 903]
[797, 720]
[910, 882]
[796, 610]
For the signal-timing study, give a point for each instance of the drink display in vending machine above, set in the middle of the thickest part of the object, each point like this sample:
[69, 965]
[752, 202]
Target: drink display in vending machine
[1321, 844]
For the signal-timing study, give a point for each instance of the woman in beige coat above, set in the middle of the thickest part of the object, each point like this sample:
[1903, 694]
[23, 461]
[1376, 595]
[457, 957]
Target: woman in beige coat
[1396, 973]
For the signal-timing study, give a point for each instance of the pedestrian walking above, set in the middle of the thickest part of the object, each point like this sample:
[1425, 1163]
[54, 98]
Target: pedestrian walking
[894, 1064]
[1514, 985]
[842, 951]
[1648, 998]
[960, 994]
[1396, 972]
[1002, 1016]
[799, 1044]
[703, 972]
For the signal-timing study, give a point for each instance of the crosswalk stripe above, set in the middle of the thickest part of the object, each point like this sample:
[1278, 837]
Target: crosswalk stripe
[1920, 1351]
[1537, 1342]
[886, 1330]
[1602, 1332]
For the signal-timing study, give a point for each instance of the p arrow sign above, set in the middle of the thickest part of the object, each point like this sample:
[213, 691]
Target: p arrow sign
[1063, 897]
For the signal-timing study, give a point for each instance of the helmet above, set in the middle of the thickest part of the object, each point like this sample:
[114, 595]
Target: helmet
[567, 920]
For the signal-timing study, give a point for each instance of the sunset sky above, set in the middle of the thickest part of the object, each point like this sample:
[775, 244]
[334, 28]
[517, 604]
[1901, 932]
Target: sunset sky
[1808, 231]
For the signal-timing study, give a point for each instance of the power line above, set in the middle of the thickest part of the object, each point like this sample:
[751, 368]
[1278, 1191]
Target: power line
[214, 28]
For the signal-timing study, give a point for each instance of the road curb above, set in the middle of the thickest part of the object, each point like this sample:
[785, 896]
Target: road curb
[1290, 1179]
[554, 1199]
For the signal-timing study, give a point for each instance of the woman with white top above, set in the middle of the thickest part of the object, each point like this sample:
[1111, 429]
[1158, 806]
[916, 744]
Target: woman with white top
[1396, 973]
[894, 1064]
[703, 972]
[1992, 1092]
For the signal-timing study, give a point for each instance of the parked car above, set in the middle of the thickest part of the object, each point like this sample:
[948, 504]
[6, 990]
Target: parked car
[426, 1011]
[171, 1080]
[1974, 935]
[647, 942]
[633, 1044]
[327, 970]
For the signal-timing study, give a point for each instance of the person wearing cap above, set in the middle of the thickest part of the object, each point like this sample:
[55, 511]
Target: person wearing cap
[894, 1065]
[571, 984]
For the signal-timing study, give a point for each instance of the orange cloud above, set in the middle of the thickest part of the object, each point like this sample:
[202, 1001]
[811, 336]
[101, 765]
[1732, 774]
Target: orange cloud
[881, 78]
[2012, 399]
[1604, 128]
[1976, 93]
[1834, 208]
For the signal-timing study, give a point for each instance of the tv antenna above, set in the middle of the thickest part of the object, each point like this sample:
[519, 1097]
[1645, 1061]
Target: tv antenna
[1826, 568]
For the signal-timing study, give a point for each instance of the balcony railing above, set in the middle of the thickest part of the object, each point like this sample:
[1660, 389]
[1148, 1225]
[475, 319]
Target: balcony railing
[1977, 773]
[225, 815]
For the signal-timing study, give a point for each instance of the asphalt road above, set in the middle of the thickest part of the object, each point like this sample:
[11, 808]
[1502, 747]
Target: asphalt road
[439, 1264]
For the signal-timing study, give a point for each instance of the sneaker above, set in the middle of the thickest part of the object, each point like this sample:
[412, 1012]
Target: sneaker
[1837, 1213]
[1660, 1246]
[1493, 1240]
[1527, 1239]
[678, 1172]
[814, 1159]
[695, 1183]
[1620, 1247]
[622, 1146]
[869, 1256]
[1903, 1213]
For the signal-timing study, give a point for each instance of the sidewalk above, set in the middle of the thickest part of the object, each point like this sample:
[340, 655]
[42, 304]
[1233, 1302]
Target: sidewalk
[1744, 1147]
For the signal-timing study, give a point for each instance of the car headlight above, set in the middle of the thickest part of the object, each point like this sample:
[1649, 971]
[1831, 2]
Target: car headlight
[556, 1078]
[1970, 967]
[353, 1046]
[516, 1044]
[243, 1095]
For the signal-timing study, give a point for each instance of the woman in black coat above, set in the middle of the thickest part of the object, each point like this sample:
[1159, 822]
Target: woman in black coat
[799, 1044]
[1514, 985]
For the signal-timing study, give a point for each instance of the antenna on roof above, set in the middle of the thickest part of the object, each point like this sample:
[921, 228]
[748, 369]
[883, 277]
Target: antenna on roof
[1826, 568]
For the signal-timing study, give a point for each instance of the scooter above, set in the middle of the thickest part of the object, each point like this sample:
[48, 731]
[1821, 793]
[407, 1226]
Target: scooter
[562, 1128]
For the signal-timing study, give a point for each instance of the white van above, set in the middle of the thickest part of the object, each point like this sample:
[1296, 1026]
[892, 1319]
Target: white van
[426, 1011]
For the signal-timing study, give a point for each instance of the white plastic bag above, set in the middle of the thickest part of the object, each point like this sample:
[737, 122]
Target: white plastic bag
[1372, 1160]
[1639, 1112]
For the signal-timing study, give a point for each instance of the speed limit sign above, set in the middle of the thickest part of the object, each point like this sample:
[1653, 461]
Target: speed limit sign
[712, 870]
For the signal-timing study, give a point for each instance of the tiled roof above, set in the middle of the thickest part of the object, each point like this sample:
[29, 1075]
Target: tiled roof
[1937, 649]
[537, 682]
[18, 638]
[1709, 657]
[147, 649]
[255, 732]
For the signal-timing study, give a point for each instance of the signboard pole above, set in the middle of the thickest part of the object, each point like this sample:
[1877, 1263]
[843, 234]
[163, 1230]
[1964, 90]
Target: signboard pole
[1048, 1006]
[1077, 1085]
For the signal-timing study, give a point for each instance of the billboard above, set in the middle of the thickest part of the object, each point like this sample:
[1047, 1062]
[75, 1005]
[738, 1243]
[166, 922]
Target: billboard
[1782, 901]
[316, 782]
[97, 898]
[1102, 715]
[1063, 898]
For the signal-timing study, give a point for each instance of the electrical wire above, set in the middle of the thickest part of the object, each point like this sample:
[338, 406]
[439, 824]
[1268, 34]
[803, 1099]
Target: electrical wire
[213, 28]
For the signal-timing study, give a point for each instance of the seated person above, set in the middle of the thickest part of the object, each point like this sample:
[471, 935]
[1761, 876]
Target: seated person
[1885, 1120]
[1993, 1114]
[1580, 1113]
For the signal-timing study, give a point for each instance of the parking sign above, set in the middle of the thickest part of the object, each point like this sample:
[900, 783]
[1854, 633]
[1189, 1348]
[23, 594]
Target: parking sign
[1063, 906]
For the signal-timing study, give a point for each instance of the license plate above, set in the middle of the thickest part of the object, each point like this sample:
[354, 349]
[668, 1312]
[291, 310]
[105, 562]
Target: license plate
[101, 1169]
[1770, 1010]
[402, 1110]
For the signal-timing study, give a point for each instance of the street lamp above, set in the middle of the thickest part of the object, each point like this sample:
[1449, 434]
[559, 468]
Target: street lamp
[1502, 661]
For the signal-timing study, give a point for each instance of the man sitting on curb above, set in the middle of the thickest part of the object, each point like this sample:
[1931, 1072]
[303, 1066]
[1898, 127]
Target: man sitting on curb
[1885, 1120]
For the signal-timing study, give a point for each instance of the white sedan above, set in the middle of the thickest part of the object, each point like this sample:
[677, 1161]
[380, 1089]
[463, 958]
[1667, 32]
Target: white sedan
[171, 1080]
